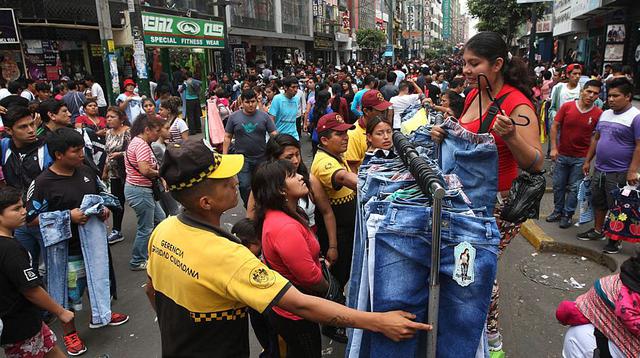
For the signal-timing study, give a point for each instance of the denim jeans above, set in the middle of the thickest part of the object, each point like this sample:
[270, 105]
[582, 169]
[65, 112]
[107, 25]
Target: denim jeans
[245, 175]
[55, 227]
[474, 158]
[403, 249]
[93, 241]
[148, 213]
[31, 239]
[567, 174]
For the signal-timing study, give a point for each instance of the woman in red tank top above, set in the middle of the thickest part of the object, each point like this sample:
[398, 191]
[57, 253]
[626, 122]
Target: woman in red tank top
[518, 146]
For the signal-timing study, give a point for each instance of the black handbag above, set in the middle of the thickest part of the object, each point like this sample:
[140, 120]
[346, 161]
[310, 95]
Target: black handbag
[524, 198]
[334, 292]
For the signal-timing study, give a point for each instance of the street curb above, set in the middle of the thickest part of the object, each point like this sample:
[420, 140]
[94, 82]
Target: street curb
[544, 243]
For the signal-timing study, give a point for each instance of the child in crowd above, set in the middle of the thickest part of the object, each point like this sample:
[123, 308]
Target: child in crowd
[246, 232]
[606, 318]
[21, 328]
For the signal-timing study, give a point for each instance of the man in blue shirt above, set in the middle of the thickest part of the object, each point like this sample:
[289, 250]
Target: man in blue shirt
[192, 96]
[284, 108]
[370, 82]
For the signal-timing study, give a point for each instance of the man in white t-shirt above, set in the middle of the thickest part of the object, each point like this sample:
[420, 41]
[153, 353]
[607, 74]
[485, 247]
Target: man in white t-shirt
[565, 92]
[403, 100]
[30, 90]
[98, 94]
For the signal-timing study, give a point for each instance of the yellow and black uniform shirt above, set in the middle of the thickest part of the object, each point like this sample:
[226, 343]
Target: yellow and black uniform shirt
[357, 147]
[204, 282]
[325, 166]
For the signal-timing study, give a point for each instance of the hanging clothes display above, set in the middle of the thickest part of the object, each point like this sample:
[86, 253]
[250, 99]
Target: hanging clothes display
[623, 221]
[393, 237]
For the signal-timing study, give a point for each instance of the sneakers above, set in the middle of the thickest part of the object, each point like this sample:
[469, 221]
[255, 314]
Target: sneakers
[114, 237]
[338, 334]
[554, 217]
[140, 267]
[565, 222]
[612, 247]
[591, 235]
[74, 345]
[116, 320]
[495, 342]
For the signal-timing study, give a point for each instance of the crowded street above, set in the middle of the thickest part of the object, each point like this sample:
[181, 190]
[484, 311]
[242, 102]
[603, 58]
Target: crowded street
[320, 178]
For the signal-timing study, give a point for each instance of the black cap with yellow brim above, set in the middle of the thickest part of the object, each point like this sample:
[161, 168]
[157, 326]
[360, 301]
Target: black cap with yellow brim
[193, 160]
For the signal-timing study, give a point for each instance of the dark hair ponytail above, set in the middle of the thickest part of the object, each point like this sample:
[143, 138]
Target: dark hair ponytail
[490, 45]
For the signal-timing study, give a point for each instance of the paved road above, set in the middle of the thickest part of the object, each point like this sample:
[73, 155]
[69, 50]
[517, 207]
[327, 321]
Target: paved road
[527, 318]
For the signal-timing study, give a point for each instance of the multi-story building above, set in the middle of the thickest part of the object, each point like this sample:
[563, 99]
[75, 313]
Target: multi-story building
[277, 32]
[435, 31]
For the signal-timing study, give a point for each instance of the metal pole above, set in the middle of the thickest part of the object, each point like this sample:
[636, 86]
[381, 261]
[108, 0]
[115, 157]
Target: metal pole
[532, 37]
[422, 27]
[137, 31]
[438, 192]
[390, 29]
[106, 41]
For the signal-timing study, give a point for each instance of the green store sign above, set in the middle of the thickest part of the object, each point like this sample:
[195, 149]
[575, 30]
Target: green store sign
[176, 31]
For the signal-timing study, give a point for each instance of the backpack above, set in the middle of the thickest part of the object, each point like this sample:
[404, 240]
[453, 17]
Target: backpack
[44, 158]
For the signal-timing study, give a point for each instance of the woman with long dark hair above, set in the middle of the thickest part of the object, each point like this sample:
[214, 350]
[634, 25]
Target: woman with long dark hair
[338, 102]
[286, 147]
[348, 94]
[319, 109]
[142, 168]
[169, 111]
[507, 78]
[290, 248]
[117, 141]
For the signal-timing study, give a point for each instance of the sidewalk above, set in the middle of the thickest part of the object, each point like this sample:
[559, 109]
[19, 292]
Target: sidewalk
[549, 237]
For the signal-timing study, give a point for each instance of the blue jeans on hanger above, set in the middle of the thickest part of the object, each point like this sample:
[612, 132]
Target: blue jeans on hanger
[474, 158]
[403, 249]
[93, 241]
[55, 227]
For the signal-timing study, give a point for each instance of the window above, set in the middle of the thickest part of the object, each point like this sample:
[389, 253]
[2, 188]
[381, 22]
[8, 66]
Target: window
[254, 14]
[295, 17]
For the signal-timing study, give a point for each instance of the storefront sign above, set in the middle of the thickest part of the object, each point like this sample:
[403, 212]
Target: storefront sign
[346, 21]
[8, 30]
[321, 43]
[446, 19]
[581, 7]
[175, 31]
[562, 23]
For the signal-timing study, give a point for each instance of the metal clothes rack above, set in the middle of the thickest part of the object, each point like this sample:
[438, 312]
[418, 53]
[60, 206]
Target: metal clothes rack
[430, 184]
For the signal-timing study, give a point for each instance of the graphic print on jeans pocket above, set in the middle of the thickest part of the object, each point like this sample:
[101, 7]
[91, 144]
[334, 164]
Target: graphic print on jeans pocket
[465, 256]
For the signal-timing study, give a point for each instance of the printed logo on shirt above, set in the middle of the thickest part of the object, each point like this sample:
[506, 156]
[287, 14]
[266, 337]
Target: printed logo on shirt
[261, 277]
[328, 166]
[465, 258]
[86, 180]
[29, 274]
[249, 127]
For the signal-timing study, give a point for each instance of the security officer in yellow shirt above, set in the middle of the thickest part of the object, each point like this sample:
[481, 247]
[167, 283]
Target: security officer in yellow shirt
[339, 183]
[201, 279]
[373, 104]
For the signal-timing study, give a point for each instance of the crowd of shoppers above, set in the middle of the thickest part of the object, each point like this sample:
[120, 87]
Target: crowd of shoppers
[57, 152]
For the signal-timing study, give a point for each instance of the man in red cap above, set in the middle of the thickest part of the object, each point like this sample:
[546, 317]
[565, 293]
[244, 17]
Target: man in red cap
[373, 104]
[129, 101]
[565, 92]
[339, 183]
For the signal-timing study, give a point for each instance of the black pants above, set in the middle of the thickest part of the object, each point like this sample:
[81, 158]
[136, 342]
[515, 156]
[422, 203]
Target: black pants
[299, 127]
[117, 189]
[266, 335]
[194, 113]
[302, 337]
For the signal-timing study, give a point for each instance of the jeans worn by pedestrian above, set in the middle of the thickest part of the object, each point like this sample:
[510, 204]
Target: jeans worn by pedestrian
[567, 174]
[474, 159]
[403, 249]
[93, 241]
[245, 175]
[55, 227]
[148, 213]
